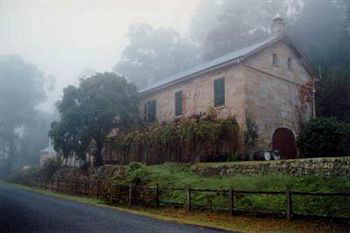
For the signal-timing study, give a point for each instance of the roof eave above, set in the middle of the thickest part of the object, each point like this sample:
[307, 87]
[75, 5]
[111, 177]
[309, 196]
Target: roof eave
[188, 77]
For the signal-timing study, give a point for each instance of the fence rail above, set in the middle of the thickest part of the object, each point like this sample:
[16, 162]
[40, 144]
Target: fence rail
[151, 195]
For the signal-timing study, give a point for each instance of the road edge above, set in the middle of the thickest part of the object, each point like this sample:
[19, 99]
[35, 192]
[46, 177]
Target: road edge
[94, 202]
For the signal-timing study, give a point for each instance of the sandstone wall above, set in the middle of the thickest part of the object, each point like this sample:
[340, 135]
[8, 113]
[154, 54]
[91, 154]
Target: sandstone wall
[338, 166]
[198, 96]
[255, 88]
[273, 92]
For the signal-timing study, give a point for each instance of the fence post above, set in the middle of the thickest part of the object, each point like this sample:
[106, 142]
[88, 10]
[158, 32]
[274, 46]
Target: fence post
[52, 182]
[58, 185]
[110, 194]
[98, 186]
[157, 196]
[289, 204]
[130, 194]
[85, 187]
[189, 204]
[232, 201]
[75, 186]
[66, 185]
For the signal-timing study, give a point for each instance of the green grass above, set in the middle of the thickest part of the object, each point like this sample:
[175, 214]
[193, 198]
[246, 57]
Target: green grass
[180, 176]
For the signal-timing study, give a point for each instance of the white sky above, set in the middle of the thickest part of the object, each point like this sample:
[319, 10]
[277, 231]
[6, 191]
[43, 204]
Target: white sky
[62, 37]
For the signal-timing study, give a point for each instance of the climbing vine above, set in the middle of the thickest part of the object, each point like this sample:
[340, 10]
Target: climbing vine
[305, 95]
[201, 137]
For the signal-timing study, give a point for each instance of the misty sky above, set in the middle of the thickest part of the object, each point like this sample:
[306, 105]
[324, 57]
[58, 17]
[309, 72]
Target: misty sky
[64, 37]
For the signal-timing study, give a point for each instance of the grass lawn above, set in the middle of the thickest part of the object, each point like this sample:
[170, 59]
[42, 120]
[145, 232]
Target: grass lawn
[180, 176]
[222, 221]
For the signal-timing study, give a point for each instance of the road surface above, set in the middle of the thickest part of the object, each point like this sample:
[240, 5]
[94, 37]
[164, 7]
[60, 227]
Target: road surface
[24, 211]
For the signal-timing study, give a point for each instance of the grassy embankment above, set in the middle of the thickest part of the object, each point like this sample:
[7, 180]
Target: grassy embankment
[180, 176]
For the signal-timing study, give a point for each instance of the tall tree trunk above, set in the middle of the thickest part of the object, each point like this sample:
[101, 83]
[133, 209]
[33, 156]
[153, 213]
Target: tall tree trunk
[98, 155]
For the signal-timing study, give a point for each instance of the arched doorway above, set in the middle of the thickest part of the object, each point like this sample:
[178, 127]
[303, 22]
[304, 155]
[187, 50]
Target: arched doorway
[284, 141]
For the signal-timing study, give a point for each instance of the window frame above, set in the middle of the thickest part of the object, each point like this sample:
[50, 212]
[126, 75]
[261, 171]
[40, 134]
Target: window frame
[274, 59]
[150, 111]
[179, 103]
[219, 92]
[289, 64]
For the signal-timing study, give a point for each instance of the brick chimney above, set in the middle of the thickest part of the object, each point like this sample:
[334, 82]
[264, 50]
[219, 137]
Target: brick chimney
[278, 26]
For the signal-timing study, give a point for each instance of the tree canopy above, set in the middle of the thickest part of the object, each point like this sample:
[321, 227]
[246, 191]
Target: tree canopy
[235, 24]
[324, 35]
[154, 54]
[89, 112]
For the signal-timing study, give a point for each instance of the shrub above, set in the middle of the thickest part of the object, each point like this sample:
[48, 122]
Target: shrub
[25, 176]
[50, 167]
[324, 137]
[138, 174]
[198, 138]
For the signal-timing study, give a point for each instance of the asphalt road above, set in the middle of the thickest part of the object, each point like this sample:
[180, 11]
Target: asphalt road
[24, 211]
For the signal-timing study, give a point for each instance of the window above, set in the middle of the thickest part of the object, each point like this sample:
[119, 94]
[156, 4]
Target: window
[219, 92]
[178, 103]
[274, 59]
[150, 111]
[289, 63]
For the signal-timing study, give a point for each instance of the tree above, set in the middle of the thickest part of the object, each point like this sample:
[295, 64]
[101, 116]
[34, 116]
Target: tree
[154, 54]
[89, 112]
[322, 32]
[237, 23]
[34, 138]
[21, 90]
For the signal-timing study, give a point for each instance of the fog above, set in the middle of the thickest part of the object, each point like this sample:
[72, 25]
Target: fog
[66, 38]
[56, 43]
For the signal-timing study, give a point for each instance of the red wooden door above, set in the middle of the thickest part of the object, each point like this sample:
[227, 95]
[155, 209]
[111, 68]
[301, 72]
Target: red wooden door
[284, 141]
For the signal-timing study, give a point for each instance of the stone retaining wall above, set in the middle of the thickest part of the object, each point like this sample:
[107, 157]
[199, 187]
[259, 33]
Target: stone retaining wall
[337, 166]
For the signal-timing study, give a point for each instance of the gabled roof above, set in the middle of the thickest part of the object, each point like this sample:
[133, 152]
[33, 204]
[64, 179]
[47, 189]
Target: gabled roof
[231, 58]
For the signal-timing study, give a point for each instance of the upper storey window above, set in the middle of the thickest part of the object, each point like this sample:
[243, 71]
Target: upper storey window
[290, 64]
[219, 92]
[274, 59]
[178, 103]
[150, 111]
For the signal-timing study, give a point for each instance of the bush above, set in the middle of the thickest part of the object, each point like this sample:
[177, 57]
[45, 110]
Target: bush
[324, 137]
[24, 176]
[198, 138]
[50, 167]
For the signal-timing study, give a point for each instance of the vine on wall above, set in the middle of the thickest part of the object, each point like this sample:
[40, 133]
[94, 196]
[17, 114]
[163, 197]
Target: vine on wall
[201, 137]
[305, 95]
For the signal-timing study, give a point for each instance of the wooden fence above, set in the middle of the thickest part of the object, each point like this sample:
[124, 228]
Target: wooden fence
[151, 195]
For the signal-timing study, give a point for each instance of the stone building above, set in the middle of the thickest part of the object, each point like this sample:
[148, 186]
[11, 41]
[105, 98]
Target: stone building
[268, 87]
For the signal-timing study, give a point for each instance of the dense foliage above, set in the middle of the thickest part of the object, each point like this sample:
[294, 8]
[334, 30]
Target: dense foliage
[323, 137]
[89, 113]
[199, 138]
[50, 166]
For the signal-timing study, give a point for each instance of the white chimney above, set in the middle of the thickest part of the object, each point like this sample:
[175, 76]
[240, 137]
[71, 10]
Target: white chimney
[278, 26]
